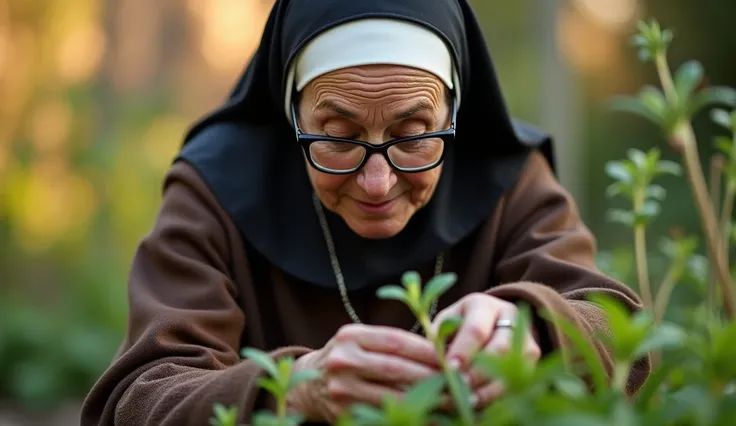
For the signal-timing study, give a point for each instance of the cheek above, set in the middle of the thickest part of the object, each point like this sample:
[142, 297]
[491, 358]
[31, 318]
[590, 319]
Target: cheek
[327, 186]
[423, 184]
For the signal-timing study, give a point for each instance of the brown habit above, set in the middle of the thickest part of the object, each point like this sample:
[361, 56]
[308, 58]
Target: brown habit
[197, 298]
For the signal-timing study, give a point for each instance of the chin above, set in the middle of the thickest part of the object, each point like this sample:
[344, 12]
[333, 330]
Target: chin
[376, 229]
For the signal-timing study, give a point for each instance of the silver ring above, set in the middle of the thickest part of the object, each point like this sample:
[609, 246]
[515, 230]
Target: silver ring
[504, 323]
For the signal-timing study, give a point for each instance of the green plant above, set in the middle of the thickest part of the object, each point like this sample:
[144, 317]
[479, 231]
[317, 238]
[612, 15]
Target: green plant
[672, 109]
[279, 381]
[633, 179]
[419, 302]
[693, 381]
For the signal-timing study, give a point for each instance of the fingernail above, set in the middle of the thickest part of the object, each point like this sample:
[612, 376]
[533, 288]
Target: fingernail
[455, 364]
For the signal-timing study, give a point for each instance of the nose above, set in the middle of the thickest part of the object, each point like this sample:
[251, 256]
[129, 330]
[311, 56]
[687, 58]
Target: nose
[377, 177]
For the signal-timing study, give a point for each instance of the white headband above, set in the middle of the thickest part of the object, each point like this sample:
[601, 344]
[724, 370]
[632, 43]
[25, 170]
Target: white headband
[370, 42]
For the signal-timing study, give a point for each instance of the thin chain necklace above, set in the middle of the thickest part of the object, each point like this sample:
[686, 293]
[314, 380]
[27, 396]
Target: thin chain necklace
[338, 272]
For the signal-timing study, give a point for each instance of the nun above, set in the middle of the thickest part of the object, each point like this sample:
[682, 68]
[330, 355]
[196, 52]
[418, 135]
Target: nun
[363, 140]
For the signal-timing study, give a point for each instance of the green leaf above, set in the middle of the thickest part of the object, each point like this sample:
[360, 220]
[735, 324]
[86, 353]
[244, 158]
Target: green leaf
[284, 366]
[271, 385]
[303, 376]
[265, 418]
[643, 27]
[722, 118]
[583, 349]
[639, 158]
[412, 282]
[619, 188]
[724, 351]
[669, 167]
[655, 381]
[623, 414]
[725, 145]
[621, 216]
[627, 331]
[657, 192]
[649, 210]
[221, 411]
[491, 364]
[293, 420]
[436, 287]
[460, 393]
[518, 337]
[424, 396]
[712, 95]
[411, 278]
[571, 387]
[615, 189]
[575, 419]
[620, 171]
[639, 40]
[653, 99]
[392, 292]
[665, 336]
[224, 416]
[366, 415]
[652, 158]
[448, 327]
[645, 55]
[637, 107]
[687, 79]
[666, 37]
[695, 402]
[668, 247]
[263, 360]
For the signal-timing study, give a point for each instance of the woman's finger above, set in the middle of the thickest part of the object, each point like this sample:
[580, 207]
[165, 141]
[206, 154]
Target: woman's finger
[488, 393]
[376, 366]
[389, 340]
[474, 332]
[347, 389]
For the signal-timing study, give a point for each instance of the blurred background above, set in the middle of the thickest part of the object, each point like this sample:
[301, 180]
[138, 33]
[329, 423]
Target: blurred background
[95, 97]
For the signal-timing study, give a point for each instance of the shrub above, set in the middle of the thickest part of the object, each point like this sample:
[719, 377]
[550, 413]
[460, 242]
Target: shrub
[693, 381]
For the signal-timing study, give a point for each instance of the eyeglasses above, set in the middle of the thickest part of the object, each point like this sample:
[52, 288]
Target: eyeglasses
[341, 156]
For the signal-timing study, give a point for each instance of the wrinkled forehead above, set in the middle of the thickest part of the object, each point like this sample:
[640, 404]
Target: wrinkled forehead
[410, 48]
[376, 86]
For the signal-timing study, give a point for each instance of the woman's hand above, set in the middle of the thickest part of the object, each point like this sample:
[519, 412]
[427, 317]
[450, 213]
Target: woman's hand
[487, 326]
[361, 363]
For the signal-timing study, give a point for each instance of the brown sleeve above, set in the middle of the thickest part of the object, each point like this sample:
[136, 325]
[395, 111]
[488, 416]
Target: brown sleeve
[547, 259]
[181, 351]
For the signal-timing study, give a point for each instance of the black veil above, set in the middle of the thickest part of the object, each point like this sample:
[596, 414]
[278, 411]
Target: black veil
[247, 154]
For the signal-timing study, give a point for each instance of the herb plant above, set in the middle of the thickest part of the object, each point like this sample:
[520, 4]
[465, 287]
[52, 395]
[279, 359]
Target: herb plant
[693, 380]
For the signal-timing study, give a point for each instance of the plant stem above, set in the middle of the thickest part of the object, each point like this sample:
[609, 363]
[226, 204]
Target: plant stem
[684, 135]
[668, 85]
[281, 410]
[466, 416]
[664, 291]
[642, 269]
[727, 210]
[708, 219]
[620, 376]
[716, 169]
[640, 249]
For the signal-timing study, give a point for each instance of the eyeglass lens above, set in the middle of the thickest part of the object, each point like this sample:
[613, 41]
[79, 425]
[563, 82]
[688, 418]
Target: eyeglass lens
[341, 156]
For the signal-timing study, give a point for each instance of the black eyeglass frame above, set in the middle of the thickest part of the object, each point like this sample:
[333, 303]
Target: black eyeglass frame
[305, 140]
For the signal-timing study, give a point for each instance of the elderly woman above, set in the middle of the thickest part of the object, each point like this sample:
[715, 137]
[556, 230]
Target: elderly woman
[365, 139]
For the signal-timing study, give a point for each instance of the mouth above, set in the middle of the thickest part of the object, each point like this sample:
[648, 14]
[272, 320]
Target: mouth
[377, 208]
